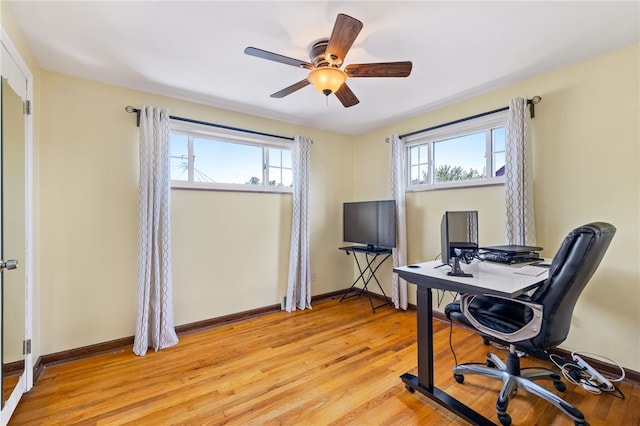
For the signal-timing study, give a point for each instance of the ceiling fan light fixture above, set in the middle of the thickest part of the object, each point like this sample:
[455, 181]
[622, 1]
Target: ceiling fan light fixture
[327, 80]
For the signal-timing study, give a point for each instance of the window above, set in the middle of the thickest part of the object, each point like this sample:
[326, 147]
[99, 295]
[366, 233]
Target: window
[464, 154]
[205, 157]
[280, 171]
[419, 155]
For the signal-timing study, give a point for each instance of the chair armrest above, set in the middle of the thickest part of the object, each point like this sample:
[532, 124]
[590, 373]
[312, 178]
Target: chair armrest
[528, 331]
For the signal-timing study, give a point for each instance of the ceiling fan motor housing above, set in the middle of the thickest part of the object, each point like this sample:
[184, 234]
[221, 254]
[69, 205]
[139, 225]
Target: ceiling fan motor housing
[319, 57]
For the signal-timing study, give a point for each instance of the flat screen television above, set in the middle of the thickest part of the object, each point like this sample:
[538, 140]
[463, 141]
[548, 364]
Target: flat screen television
[372, 223]
[458, 235]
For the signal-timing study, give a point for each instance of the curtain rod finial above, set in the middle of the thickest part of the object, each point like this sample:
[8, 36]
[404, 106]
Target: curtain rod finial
[536, 99]
[130, 109]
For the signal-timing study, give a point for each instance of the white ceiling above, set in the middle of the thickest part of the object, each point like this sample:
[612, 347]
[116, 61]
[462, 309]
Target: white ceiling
[194, 50]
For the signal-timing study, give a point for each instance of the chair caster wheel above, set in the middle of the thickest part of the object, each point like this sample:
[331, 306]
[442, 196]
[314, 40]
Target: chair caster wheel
[582, 423]
[409, 388]
[505, 419]
[560, 386]
[459, 378]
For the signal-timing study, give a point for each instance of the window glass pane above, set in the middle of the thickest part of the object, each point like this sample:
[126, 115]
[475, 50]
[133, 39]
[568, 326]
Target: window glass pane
[460, 158]
[225, 162]
[424, 154]
[498, 140]
[275, 178]
[415, 173]
[280, 176]
[413, 156]
[423, 174]
[498, 164]
[179, 146]
[275, 157]
[419, 174]
[287, 177]
[498, 137]
[286, 159]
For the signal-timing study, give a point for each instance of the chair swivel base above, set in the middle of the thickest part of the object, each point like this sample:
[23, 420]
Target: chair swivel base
[513, 378]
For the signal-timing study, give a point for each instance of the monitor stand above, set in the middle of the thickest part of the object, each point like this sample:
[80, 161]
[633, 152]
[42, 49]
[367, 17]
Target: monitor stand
[456, 270]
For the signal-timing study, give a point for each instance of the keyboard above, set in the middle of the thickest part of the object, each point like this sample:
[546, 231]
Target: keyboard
[531, 270]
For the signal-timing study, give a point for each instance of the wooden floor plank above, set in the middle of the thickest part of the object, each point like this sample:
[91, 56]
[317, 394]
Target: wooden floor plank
[337, 364]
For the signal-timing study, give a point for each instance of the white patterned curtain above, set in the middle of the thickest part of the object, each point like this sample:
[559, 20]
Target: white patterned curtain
[519, 176]
[155, 326]
[398, 185]
[299, 282]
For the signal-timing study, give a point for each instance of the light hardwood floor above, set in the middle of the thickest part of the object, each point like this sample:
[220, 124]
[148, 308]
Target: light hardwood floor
[337, 363]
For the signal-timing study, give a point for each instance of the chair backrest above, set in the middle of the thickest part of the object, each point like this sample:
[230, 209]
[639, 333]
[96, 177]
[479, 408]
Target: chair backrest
[570, 271]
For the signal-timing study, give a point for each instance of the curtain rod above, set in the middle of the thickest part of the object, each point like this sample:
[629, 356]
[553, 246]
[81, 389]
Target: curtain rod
[132, 110]
[532, 102]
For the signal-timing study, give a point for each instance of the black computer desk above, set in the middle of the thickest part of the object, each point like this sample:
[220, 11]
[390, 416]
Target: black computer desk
[488, 278]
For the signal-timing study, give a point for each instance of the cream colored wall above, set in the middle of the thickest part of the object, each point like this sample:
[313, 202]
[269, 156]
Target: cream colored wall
[586, 137]
[589, 170]
[230, 249]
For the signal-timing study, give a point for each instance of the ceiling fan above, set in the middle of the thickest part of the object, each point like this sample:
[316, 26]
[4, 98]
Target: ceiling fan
[327, 57]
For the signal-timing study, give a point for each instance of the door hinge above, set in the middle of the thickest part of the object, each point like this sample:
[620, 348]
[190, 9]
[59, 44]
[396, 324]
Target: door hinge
[26, 347]
[27, 107]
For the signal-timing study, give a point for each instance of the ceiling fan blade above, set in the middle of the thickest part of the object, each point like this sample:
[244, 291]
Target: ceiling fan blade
[380, 69]
[259, 53]
[346, 96]
[289, 90]
[344, 33]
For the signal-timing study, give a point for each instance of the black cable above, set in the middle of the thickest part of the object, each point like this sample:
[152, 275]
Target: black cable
[616, 392]
[455, 359]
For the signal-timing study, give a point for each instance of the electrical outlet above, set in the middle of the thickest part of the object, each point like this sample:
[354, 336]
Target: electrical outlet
[313, 276]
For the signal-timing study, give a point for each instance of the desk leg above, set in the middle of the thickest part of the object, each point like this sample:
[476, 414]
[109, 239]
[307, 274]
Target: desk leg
[425, 334]
[423, 383]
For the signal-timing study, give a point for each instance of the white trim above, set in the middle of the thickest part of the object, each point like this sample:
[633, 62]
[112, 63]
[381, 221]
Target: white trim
[497, 119]
[195, 129]
[229, 187]
[456, 184]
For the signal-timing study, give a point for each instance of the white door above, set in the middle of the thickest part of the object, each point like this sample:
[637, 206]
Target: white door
[15, 228]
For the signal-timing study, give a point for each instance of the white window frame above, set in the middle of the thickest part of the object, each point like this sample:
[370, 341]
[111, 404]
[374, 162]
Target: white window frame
[476, 125]
[231, 136]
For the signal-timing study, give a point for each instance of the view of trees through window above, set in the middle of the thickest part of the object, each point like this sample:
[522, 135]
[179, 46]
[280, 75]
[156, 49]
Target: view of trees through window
[447, 173]
[467, 157]
[460, 158]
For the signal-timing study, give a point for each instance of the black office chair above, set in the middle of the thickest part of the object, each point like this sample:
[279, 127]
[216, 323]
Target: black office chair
[534, 324]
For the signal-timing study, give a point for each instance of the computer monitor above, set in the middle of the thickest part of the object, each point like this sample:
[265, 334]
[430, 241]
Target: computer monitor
[458, 235]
